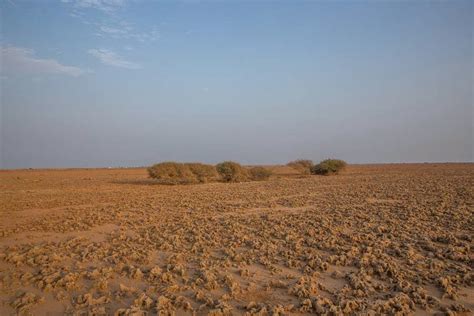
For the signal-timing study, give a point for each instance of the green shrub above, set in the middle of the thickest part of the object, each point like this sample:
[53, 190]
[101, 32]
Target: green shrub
[172, 173]
[204, 173]
[259, 173]
[232, 172]
[328, 167]
[303, 166]
[184, 173]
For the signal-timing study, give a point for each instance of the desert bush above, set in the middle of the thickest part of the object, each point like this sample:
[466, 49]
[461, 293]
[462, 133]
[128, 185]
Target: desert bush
[232, 172]
[303, 166]
[204, 173]
[172, 173]
[259, 173]
[328, 167]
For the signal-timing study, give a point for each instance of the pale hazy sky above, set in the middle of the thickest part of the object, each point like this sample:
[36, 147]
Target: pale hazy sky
[130, 83]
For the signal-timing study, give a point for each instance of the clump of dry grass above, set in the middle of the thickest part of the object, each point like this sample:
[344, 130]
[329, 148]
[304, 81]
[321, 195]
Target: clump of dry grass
[328, 167]
[187, 173]
[183, 173]
[172, 173]
[232, 172]
[204, 173]
[259, 173]
[303, 166]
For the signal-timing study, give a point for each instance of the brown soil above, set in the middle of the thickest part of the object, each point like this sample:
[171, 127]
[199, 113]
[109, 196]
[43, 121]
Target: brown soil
[376, 240]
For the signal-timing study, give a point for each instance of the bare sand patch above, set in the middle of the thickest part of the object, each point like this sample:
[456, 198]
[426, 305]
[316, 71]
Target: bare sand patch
[383, 239]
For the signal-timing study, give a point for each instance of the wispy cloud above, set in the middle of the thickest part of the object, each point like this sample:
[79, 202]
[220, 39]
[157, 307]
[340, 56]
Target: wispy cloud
[108, 6]
[111, 58]
[111, 24]
[124, 30]
[113, 31]
[17, 60]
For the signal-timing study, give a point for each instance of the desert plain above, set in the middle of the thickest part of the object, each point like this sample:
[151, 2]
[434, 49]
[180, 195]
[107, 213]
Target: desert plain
[393, 239]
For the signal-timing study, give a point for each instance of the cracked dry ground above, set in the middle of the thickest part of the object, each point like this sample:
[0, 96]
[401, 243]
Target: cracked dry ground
[376, 240]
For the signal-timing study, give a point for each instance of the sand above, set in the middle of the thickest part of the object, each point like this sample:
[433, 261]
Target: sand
[375, 240]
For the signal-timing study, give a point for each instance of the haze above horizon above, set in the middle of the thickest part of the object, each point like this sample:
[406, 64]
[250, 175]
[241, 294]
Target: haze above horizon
[98, 83]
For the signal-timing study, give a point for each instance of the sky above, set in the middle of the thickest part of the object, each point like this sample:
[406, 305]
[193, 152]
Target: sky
[100, 83]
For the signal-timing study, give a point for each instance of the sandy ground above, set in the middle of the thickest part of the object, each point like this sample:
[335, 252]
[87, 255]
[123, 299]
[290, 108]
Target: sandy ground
[377, 240]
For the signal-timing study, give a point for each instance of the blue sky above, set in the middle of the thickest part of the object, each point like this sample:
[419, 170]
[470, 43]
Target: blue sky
[90, 83]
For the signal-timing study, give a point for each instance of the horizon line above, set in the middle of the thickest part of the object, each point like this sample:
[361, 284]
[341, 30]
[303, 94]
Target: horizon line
[275, 164]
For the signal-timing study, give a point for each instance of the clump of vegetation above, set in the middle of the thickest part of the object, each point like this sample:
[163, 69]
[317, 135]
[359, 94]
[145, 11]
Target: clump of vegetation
[259, 173]
[183, 173]
[186, 173]
[203, 173]
[303, 166]
[232, 172]
[172, 173]
[328, 167]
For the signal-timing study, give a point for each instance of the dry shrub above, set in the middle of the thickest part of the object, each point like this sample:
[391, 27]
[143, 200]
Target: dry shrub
[303, 166]
[182, 173]
[328, 167]
[204, 173]
[232, 172]
[259, 173]
[172, 173]
[185, 173]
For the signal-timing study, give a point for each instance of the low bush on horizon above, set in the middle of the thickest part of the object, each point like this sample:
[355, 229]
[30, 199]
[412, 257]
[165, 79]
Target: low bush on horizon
[303, 166]
[204, 173]
[259, 173]
[328, 167]
[172, 173]
[232, 172]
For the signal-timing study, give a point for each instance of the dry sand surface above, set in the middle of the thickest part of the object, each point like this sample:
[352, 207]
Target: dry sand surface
[377, 240]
